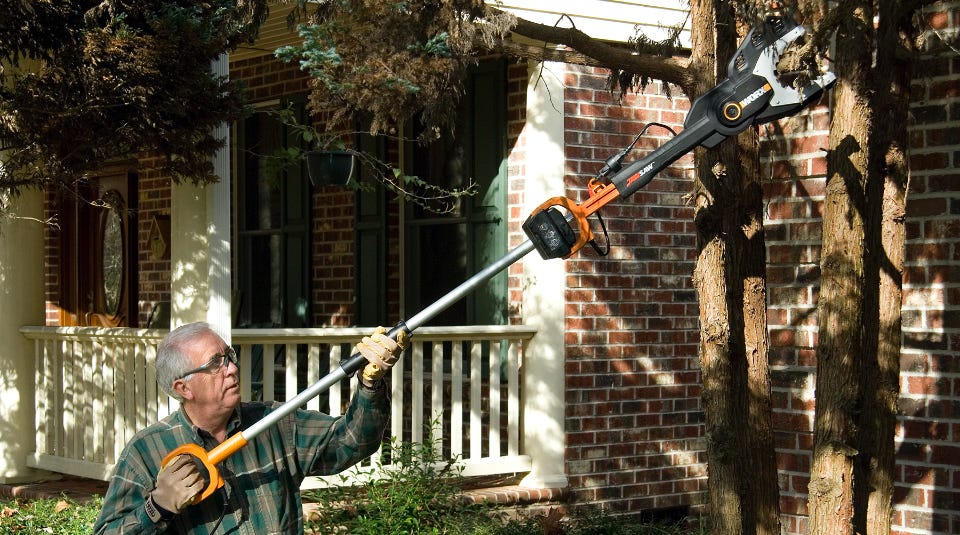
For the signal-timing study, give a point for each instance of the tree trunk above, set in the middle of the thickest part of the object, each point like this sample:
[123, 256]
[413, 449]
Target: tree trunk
[886, 199]
[839, 351]
[760, 462]
[730, 280]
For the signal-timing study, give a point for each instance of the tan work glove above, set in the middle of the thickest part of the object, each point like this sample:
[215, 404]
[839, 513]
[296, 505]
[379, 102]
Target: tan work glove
[177, 484]
[381, 352]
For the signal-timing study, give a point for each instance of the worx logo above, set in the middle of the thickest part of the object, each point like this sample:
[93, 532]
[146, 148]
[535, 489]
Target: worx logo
[755, 95]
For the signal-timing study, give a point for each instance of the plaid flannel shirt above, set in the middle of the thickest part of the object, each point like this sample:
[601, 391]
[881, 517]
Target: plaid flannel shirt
[261, 492]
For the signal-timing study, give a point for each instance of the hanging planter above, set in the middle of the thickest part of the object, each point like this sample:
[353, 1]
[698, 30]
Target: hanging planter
[330, 167]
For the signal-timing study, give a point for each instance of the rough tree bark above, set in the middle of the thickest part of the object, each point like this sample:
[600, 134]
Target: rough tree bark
[841, 312]
[731, 283]
[858, 366]
[886, 201]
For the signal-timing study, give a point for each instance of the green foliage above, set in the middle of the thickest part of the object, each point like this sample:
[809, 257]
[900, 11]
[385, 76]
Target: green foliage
[411, 491]
[86, 83]
[427, 507]
[595, 521]
[56, 517]
[394, 60]
[438, 45]
[318, 53]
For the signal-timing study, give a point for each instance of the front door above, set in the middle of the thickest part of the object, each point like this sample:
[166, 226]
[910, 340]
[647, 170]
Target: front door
[98, 251]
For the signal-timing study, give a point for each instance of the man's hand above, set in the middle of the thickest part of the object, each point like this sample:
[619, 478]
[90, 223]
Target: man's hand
[177, 484]
[381, 352]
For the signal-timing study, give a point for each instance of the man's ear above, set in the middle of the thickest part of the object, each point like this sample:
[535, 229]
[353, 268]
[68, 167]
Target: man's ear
[183, 389]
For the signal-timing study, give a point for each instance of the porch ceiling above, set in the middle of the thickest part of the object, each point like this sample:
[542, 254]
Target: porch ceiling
[607, 20]
[273, 34]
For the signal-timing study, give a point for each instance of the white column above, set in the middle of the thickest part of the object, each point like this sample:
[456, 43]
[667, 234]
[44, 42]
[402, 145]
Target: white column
[544, 284]
[200, 242]
[21, 303]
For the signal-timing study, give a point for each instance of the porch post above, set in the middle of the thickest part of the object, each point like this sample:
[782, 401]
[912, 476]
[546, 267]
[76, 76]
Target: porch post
[200, 242]
[543, 298]
[21, 303]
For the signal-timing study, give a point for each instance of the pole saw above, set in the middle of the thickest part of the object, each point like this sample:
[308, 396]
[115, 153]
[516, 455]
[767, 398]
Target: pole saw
[750, 95]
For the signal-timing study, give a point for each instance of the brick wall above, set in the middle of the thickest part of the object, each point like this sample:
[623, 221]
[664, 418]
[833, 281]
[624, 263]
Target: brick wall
[794, 196]
[153, 201]
[516, 145]
[928, 486]
[633, 416]
[332, 269]
[927, 498]
[51, 259]
[631, 318]
[794, 161]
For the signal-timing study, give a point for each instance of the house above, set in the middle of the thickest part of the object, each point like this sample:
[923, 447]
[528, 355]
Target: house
[599, 381]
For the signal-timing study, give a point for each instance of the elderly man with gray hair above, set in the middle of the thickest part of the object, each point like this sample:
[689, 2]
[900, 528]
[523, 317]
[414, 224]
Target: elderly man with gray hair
[261, 492]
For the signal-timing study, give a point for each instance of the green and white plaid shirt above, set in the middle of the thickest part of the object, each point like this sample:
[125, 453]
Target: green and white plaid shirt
[261, 492]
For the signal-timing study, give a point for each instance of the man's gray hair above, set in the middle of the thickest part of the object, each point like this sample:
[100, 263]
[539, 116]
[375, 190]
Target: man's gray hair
[172, 358]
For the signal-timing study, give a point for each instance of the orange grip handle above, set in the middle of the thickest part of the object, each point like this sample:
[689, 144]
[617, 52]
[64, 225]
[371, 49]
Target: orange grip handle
[209, 460]
[600, 196]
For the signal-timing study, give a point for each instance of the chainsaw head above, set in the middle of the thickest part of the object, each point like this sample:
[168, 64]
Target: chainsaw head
[762, 49]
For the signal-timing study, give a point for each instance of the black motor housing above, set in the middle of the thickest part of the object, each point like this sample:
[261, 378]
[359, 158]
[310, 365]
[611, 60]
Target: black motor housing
[550, 233]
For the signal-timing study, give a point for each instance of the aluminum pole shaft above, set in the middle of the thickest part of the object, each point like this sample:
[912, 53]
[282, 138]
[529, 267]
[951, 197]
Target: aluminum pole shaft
[417, 320]
[438, 306]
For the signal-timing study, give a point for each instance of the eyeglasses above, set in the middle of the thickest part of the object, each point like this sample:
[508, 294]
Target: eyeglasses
[214, 365]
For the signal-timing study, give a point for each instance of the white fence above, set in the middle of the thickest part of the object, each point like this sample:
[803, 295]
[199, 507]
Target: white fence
[460, 386]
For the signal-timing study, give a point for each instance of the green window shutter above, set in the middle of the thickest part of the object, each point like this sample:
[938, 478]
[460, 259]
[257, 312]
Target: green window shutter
[487, 224]
[371, 243]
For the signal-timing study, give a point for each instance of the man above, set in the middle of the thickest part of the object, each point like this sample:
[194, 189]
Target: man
[261, 492]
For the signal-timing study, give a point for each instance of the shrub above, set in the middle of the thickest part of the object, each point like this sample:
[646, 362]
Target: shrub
[411, 490]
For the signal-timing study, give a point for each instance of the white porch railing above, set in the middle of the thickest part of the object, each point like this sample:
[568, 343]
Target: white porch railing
[96, 387]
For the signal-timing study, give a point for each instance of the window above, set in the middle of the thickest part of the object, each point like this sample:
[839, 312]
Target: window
[273, 230]
[442, 251]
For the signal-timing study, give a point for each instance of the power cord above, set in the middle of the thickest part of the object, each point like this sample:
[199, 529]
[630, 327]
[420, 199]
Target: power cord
[612, 165]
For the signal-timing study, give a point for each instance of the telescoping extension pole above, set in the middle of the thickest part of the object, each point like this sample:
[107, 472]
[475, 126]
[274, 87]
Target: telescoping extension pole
[750, 95]
[347, 368]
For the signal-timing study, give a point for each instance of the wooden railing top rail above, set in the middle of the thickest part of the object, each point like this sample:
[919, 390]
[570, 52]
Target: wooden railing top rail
[329, 334]
[33, 332]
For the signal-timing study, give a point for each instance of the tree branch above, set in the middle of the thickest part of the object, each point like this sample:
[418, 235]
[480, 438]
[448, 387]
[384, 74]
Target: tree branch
[590, 51]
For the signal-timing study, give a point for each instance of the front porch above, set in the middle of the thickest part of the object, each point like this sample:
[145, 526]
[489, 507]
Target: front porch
[464, 388]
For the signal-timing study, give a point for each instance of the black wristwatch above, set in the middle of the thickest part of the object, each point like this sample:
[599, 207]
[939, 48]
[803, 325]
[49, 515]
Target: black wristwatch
[156, 513]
